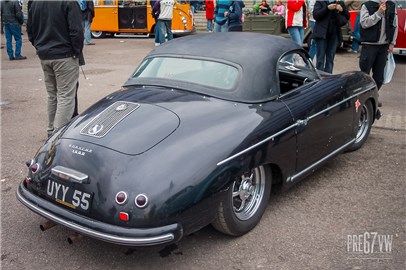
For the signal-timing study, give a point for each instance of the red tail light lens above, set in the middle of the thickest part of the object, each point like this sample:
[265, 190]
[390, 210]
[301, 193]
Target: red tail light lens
[124, 216]
[141, 201]
[121, 197]
[35, 168]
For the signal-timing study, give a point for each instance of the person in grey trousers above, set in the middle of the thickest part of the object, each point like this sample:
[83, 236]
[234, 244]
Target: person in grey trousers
[55, 30]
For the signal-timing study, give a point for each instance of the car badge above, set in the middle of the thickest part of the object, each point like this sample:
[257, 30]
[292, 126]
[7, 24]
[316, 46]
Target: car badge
[121, 107]
[95, 129]
[357, 105]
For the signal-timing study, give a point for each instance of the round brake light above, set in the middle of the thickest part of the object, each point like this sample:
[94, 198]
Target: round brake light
[121, 197]
[35, 168]
[141, 201]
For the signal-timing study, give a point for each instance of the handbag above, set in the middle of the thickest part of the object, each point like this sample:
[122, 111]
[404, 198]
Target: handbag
[389, 69]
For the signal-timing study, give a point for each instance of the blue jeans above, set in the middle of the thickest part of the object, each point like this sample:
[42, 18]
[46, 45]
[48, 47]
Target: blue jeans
[11, 30]
[88, 35]
[156, 32]
[210, 25]
[313, 44]
[356, 35]
[297, 34]
[220, 27]
[326, 51]
[165, 27]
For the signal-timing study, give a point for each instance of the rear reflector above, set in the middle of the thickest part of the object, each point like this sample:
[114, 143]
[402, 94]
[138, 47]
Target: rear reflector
[124, 216]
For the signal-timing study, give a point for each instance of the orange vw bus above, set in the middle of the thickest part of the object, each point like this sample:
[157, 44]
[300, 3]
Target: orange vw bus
[133, 18]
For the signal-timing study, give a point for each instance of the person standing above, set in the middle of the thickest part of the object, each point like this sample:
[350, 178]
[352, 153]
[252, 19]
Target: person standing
[295, 20]
[165, 19]
[88, 15]
[155, 15]
[379, 30]
[312, 22]
[327, 31]
[234, 16]
[55, 29]
[220, 21]
[354, 6]
[209, 14]
[12, 19]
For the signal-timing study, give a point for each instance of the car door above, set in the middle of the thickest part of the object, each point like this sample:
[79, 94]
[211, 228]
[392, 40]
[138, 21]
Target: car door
[321, 109]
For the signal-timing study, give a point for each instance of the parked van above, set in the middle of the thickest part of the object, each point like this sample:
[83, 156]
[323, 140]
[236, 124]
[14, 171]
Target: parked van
[134, 18]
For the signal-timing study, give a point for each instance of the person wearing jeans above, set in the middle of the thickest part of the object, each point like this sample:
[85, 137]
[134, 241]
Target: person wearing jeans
[295, 20]
[12, 19]
[327, 31]
[164, 22]
[354, 6]
[88, 16]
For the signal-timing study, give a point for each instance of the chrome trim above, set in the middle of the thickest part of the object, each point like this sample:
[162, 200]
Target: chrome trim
[167, 237]
[311, 167]
[70, 174]
[298, 123]
[257, 144]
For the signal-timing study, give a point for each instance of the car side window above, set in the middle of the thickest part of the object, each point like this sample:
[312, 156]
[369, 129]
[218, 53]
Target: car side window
[295, 70]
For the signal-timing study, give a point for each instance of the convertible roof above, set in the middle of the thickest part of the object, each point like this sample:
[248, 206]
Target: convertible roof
[257, 55]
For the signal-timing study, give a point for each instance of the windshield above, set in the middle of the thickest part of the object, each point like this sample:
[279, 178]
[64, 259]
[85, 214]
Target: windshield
[204, 72]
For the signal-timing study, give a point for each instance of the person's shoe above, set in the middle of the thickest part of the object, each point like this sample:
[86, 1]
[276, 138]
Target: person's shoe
[20, 57]
[91, 43]
[379, 104]
[11, 58]
[157, 44]
[352, 51]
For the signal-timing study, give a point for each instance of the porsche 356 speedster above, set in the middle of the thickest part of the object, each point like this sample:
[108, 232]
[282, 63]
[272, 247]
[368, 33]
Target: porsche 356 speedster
[198, 135]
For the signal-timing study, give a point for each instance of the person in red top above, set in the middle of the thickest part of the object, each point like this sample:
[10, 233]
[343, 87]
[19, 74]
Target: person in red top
[295, 20]
[209, 14]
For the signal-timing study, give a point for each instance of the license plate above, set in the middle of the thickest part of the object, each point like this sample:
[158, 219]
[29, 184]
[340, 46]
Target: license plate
[403, 52]
[69, 196]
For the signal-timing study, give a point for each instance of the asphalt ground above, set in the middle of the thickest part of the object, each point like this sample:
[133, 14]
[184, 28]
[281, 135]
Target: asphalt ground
[328, 221]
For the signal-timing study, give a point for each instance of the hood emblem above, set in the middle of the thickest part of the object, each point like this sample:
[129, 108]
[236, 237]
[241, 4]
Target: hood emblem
[95, 129]
[121, 107]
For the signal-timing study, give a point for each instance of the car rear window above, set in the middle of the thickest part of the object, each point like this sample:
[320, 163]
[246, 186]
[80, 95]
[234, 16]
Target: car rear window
[204, 72]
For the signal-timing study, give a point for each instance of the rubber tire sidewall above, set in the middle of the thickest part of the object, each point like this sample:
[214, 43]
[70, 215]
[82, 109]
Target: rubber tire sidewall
[226, 220]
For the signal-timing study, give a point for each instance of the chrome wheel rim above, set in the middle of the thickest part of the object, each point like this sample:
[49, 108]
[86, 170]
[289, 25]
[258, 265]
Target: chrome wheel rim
[97, 34]
[363, 124]
[248, 193]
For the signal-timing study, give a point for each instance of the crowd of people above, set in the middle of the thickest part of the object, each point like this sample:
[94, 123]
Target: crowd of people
[59, 29]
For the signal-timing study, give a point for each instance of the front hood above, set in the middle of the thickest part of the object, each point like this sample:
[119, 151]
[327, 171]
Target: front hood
[127, 127]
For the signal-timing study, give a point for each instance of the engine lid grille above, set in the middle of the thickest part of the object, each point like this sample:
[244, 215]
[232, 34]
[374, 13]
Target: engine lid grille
[101, 124]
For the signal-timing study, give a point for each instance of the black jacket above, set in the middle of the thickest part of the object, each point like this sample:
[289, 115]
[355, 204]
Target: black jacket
[88, 14]
[11, 12]
[326, 21]
[55, 28]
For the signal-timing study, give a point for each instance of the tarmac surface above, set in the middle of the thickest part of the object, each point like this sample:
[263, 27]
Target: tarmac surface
[327, 221]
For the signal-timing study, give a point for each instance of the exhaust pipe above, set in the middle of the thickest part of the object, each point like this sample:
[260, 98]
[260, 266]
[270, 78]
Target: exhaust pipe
[74, 237]
[47, 225]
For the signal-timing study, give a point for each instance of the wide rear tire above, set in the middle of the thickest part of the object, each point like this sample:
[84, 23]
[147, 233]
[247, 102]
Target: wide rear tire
[244, 203]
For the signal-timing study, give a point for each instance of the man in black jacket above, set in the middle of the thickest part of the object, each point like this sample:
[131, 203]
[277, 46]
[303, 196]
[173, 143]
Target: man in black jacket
[12, 19]
[55, 30]
[379, 29]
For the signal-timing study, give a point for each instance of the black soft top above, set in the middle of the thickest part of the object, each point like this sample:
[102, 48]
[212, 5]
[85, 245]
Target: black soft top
[255, 54]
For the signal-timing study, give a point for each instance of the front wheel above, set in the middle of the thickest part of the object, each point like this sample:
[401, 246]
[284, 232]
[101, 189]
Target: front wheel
[243, 204]
[98, 34]
[365, 121]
